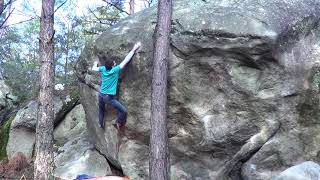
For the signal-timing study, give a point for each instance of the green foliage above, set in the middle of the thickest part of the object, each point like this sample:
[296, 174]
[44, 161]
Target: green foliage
[100, 18]
[4, 137]
[22, 77]
[20, 59]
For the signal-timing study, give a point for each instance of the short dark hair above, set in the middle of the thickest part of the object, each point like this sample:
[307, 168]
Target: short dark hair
[107, 62]
[108, 65]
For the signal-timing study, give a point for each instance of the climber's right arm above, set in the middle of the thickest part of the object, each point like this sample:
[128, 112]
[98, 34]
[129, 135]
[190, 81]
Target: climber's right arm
[129, 56]
[95, 66]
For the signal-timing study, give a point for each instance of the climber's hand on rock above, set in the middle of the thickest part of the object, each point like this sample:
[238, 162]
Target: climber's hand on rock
[137, 46]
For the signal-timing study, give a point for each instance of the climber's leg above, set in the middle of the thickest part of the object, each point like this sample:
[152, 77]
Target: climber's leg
[122, 112]
[101, 110]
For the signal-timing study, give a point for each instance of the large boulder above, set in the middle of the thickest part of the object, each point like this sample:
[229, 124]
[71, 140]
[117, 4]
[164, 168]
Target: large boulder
[23, 126]
[243, 89]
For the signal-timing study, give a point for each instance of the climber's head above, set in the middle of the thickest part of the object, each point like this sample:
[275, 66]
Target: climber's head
[108, 65]
[108, 62]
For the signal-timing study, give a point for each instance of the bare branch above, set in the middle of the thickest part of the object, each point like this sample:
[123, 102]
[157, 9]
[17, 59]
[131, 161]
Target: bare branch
[115, 6]
[1, 6]
[5, 5]
[18, 23]
[23, 13]
[60, 6]
[149, 2]
[6, 18]
[109, 22]
[95, 15]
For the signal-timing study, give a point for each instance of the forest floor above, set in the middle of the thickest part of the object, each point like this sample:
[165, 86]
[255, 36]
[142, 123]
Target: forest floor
[16, 168]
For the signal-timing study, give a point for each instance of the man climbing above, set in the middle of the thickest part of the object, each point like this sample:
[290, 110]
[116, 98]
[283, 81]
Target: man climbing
[108, 89]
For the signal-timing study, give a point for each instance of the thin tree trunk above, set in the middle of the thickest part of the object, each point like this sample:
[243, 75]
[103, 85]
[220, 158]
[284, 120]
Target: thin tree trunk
[159, 149]
[66, 63]
[5, 16]
[44, 132]
[1, 6]
[131, 4]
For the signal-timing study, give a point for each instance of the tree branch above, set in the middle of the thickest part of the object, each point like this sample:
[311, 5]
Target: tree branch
[115, 6]
[6, 18]
[110, 22]
[21, 12]
[95, 15]
[60, 6]
[18, 23]
[6, 5]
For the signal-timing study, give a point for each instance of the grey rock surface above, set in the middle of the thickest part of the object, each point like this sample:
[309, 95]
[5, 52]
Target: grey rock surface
[21, 140]
[78, 156]
[73, 124]
[304, 171]
[7, 100]
[74, 154]
[22, 131]
[243, 88]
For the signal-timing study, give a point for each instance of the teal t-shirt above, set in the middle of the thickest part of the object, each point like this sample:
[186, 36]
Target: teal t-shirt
[109, 80]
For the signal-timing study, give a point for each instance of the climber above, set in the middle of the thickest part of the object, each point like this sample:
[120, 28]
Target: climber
[108, 89]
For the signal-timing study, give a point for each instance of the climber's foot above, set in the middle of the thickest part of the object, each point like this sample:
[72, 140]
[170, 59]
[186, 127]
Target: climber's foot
[115, 125]
[100, 126]
[119, 127]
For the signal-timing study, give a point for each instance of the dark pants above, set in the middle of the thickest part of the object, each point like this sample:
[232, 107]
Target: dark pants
[122, 110]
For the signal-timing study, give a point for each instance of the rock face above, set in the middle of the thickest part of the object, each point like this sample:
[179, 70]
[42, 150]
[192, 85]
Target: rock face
[73, 153]
[304, 171]
[243, 89]
[7, 100]
[76, 155]
[22, 132]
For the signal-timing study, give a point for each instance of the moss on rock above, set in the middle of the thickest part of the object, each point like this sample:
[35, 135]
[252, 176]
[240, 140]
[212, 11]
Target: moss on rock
[4, 136]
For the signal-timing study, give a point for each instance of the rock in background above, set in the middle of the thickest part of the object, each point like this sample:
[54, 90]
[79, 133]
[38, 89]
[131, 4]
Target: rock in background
[243, 89]
[304, 171]
[7, 105]
[74, 154]
[23, 127]
[7, 100]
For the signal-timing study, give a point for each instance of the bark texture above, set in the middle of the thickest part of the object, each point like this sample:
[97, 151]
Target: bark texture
[131, 4]
[159, 151]
[44, 130]
[1, 6]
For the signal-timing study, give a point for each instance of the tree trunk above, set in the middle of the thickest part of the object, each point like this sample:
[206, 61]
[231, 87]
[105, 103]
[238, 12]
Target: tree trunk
[66, 63]
[159, 150]
[44, 133]
[1, 6]
[131, 4]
